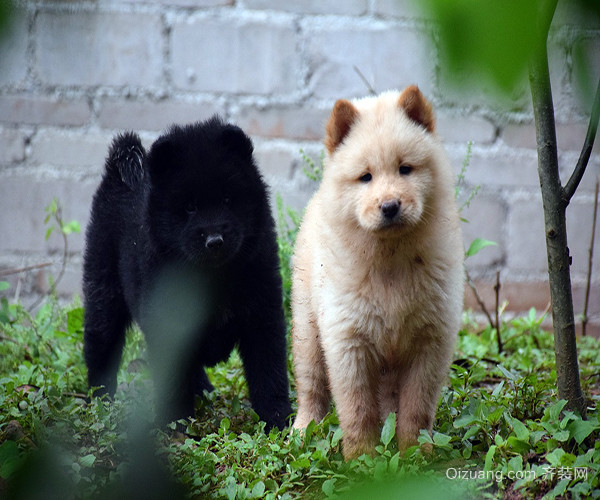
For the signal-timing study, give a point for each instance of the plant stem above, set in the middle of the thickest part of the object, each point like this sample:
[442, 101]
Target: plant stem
[497, 291]
[586, 301]
[555, 204]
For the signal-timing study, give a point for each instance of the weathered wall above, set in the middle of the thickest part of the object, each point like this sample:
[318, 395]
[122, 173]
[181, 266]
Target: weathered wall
[72, 73]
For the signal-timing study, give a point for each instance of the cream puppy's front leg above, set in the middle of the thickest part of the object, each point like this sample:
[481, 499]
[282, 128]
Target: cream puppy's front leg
[312, 386]
[419, 390]
[353, 378]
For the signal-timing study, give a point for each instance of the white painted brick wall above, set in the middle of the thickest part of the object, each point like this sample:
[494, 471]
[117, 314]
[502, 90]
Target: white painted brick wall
[72, 74]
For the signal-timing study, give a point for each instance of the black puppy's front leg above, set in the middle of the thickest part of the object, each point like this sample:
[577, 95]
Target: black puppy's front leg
[263, 351]
[106, 320]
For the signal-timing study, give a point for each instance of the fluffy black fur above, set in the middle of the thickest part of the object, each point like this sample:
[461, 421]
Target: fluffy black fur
[182, 241]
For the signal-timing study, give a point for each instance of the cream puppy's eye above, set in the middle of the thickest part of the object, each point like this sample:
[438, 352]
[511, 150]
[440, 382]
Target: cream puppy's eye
[405, 169]
[365, 177]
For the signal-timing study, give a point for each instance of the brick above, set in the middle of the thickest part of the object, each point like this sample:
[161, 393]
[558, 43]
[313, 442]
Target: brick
[13, 51]
[569, 136]
[291, 122]
[452, 128]
[486, 217]
[466, 87]
[70, 150]
[521, 295]
[526, 247]
[519, 135]
[592, 329]
[586, 71]
[139, 115]
[592, 172]
[69, 285]
[22, 203]
[348, 7]
[94, 48]
[12, 146]
[39, 110]
[574, 13]
[275, 161]
[395, 8]
[185, 3]
[527, 244]
[237, 56]
[281, 167]
[579, 228]
[593, 301]
[498, 167]
[387, 57]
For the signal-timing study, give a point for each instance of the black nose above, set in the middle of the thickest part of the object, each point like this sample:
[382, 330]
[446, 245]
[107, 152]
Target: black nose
[390, 208]
[214, 241]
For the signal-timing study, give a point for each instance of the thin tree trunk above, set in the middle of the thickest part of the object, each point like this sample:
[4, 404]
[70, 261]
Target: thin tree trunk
[555, 204]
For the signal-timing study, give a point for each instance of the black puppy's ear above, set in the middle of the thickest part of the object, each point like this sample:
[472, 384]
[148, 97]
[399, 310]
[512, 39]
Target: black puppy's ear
[126, 159]
[236, 141]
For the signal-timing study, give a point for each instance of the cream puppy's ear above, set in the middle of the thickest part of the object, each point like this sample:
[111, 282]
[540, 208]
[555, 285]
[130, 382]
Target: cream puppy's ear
[417, 108]
[342, 117]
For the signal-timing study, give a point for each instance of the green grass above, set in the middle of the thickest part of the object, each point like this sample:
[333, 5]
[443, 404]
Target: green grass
[499, 424]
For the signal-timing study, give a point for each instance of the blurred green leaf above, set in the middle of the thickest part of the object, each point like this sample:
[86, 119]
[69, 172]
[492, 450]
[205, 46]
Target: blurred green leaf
[389, 429]
[477, 245]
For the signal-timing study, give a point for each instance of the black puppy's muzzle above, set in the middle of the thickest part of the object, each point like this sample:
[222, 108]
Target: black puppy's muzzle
[214, 241]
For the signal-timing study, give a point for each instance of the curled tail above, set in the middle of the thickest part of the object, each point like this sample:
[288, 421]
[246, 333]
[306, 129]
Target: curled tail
[126, 159]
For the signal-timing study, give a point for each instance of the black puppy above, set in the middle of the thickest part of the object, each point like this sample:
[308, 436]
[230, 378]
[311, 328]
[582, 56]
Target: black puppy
[182, 241]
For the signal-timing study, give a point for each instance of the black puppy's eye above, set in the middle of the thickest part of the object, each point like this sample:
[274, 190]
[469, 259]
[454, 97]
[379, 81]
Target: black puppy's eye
[366, 177]
[190, 207]
[405, 169]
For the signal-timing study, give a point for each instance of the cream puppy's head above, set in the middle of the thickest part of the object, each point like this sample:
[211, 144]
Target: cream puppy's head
[383, 167]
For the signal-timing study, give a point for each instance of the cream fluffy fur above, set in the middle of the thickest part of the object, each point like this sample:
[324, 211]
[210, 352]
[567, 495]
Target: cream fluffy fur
[377, 300]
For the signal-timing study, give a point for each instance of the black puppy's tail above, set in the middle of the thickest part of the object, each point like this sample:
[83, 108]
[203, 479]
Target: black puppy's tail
[126, 159]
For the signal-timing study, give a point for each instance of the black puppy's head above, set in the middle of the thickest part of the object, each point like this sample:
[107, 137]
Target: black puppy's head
[206, 193]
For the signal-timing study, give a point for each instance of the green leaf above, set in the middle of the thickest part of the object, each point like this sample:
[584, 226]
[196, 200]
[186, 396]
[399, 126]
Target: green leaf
[87, 460]
[560, 488]
[71, 227]
[225, 424]
[552, 413]
[554, 457]
[4, 285]
[580, 429]
[75, 320]
[424, 437]
[561, 436]
[441, 440]
[328, 486]
[489, 457]
[477, 245]
[516, 463]
[464, 420]
[9, 458]
[389, 429]
[471, 432]
[337, 435]
[301, 463]
[258, 490]
[508, 374]
[521, 431]
[518, 445]
[393, 463]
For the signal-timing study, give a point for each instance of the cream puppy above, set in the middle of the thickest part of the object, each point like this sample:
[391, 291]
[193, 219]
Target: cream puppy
[378, 273]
